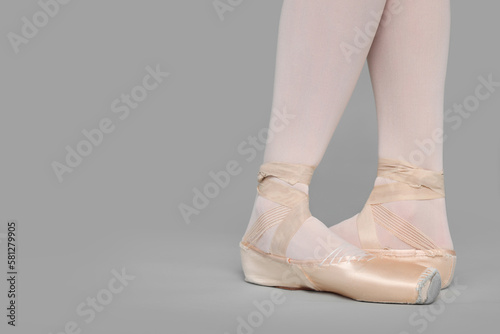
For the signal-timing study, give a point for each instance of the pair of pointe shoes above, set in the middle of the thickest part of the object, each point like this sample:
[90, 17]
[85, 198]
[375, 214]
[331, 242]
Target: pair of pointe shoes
[374, 274]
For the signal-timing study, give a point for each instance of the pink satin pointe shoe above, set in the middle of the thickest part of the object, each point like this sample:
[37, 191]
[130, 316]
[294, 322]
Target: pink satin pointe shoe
[336, 266]
[411, 184]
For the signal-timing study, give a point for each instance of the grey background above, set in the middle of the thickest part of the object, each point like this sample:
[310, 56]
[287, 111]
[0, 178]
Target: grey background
[119, 208]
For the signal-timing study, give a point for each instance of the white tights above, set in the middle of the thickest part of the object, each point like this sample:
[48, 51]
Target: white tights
[322, 47]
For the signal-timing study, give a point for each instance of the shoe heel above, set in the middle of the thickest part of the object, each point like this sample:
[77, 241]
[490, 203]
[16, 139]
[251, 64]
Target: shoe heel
[270, 270]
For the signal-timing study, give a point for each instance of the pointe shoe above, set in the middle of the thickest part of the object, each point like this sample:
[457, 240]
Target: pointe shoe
[412, 183]
[355, 274]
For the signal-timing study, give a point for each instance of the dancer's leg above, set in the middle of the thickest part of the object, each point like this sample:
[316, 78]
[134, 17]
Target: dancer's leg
[316, 72]
[407, 64]
[315, 76]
